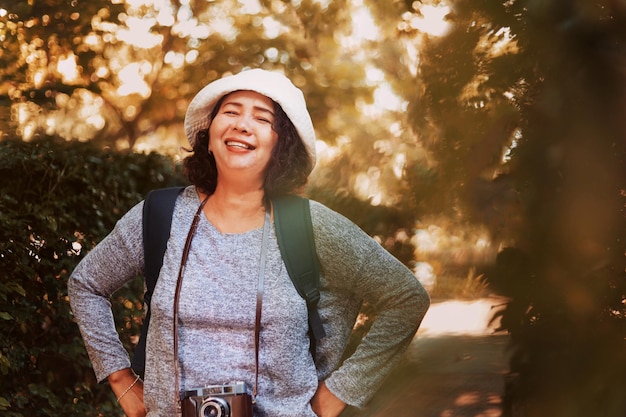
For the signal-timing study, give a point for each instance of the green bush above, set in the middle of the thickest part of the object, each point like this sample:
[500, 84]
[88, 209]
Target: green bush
[57, 199]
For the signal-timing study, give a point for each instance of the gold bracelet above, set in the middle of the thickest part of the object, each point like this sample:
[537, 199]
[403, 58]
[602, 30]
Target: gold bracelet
[128, 389]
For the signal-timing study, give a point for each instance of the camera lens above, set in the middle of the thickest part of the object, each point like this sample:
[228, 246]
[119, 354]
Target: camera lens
[214, 407]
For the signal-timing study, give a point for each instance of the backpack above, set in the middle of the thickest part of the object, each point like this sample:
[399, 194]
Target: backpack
[294, 232]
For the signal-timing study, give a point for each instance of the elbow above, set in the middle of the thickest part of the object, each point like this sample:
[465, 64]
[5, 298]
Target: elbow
[420, 300]
[73, 290]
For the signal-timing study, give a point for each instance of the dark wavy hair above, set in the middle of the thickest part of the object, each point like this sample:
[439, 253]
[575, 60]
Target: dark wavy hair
[287, 171]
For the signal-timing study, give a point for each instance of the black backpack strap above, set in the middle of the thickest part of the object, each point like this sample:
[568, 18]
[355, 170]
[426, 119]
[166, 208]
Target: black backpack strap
[158, 208]
[294, 231]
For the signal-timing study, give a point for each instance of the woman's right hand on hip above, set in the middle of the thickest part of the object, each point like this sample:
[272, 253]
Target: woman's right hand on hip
[128, 389]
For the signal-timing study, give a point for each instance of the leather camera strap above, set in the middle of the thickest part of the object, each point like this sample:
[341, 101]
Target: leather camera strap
[179, 281]
[259, 299]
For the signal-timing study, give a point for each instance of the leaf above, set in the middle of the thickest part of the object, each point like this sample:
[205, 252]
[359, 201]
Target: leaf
[4, 404]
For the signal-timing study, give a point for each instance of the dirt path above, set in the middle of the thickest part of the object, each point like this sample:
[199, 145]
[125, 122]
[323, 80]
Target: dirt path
[454, 368]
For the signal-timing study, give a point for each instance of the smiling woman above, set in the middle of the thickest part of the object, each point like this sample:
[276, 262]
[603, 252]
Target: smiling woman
[253, 142]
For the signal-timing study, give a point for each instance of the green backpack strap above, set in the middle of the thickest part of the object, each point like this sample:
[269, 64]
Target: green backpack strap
[158, 208]
[294, 231]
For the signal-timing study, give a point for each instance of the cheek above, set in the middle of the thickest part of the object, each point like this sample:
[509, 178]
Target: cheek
[273, 139]
[217, 125]
[214, 132]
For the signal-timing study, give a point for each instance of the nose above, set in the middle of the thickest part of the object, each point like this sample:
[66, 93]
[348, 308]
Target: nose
[242, 124]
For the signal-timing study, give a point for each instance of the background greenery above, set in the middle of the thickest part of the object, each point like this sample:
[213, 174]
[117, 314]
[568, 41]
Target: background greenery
[506, 128]
[44, 367]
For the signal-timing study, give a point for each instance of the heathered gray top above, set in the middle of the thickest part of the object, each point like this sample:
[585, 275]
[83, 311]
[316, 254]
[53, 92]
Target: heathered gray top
[217, 312]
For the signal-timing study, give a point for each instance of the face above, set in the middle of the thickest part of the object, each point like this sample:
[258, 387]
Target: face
[241, 134]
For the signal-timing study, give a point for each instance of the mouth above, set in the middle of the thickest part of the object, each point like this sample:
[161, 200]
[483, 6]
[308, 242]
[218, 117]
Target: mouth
[239, 145]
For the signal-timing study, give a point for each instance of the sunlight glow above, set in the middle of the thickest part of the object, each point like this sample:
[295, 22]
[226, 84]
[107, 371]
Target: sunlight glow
[138, 33]
[39, 78]
[79, 116]
[272, 28]
[66, 66]
[327, 153]
[190, 28]
[464, 244]
[323, 3]
[102, 72]
[429, 19]
[508, 151]
[165, 18]
[385, 98]
[425, 274]
[27, 117]
[498, 43]
[132, 80]
[22, 114]
[250, 6]
[175, 59]
[192, 56]
[505, 44]
[367, 186]
[467, 399]
[363, 25]
[93, 41]
[459, 318]
[218, 20]
[399, 163]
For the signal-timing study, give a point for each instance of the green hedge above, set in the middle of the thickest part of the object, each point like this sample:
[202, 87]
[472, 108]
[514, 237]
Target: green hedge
[58, 199]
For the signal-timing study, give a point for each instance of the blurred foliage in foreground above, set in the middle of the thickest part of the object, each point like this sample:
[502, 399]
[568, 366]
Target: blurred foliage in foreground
[566, 274]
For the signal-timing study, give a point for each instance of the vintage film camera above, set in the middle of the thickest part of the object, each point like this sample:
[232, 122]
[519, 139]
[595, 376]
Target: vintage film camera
[230, 400]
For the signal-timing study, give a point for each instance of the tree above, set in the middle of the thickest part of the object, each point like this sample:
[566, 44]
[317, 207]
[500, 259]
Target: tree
[570, 172]
[131, 68]
[541, 84]
[517, 104]
[121, 75]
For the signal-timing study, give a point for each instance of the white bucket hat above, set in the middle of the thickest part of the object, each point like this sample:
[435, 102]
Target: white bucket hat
[271, 84]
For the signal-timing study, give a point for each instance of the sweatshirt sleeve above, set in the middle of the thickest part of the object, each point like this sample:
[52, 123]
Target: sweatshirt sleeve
[117, 259]
[356, 264]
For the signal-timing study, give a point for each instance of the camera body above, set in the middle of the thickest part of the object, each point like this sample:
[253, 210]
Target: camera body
[229, 400]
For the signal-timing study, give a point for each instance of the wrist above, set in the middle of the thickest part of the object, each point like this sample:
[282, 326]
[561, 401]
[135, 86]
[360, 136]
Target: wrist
[128, 389]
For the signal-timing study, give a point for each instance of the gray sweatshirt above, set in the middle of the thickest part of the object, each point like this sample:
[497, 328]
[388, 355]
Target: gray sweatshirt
[217, 312]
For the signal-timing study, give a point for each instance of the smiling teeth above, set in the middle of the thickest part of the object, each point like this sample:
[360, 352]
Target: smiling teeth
[238, 145]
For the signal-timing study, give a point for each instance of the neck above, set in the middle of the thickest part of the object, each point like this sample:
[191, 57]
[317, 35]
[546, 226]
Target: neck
[235, 210]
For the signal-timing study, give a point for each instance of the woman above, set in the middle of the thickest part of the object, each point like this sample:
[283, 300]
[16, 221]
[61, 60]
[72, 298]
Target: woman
[252, 140]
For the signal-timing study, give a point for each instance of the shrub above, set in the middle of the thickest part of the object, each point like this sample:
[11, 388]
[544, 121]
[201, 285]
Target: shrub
[57, 199]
